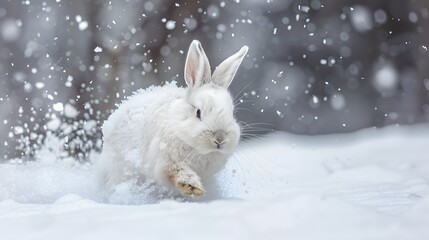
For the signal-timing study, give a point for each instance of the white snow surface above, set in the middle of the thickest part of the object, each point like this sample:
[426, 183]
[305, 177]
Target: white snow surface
[371, 184]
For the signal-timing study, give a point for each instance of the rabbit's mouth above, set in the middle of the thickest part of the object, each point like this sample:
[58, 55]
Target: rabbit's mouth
[219, 144]
[216, 146]
[223, 146]
[219, 151]
[218, 141]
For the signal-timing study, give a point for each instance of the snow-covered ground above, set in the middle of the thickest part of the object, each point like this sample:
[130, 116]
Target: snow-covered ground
[372, 184]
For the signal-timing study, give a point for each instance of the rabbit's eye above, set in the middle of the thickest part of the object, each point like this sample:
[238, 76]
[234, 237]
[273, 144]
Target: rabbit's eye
[199, 113]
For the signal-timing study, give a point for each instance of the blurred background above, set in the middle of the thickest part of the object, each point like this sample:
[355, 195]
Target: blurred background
[314, 67]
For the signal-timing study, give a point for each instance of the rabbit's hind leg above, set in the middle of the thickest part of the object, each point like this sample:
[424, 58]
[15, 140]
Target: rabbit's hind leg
[110, 168]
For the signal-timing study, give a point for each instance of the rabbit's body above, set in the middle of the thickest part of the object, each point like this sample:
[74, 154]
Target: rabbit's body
[175, 136]
[137, 141]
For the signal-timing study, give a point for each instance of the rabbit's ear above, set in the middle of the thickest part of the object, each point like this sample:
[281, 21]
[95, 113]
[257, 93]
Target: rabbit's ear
[225, 72]
[197, 67]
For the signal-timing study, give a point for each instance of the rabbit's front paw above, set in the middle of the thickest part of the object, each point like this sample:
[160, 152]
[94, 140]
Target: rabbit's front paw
[190, 185]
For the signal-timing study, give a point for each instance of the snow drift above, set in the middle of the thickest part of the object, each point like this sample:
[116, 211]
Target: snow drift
[372, 184]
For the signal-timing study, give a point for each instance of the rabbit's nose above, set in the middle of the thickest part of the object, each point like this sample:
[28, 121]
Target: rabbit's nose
[219, 137]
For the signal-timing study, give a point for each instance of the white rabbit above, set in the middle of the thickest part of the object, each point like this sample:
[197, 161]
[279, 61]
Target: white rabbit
[176, 136]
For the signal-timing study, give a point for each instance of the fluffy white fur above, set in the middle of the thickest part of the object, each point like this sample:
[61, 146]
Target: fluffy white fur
[157, 133]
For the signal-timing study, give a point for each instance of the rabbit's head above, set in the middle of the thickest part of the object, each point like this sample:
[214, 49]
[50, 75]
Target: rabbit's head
[208, 123]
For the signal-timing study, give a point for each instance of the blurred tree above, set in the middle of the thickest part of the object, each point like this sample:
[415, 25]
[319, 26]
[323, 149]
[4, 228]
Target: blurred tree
[314, 67]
